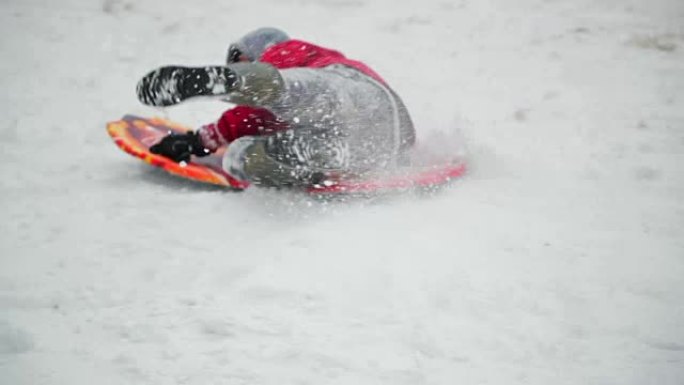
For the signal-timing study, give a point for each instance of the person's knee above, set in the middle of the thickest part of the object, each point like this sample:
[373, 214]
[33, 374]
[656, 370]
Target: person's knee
[260, 84]
[247, 159]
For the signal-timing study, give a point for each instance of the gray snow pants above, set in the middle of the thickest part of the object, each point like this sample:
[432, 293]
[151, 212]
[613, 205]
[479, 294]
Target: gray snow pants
[341, 122]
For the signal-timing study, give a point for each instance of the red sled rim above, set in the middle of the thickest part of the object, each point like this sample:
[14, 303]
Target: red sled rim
[120, 131]
[427, 178]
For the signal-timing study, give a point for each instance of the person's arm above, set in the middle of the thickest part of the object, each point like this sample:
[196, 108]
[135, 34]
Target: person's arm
[238, 122]
[235, 123]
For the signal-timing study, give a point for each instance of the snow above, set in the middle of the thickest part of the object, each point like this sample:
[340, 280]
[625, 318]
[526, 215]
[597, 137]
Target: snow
[558, 260]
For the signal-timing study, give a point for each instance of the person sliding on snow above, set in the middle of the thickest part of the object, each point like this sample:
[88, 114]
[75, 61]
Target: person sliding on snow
[305, 114]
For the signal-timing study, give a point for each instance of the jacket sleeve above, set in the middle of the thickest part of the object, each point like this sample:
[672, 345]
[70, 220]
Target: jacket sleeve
[238, 122]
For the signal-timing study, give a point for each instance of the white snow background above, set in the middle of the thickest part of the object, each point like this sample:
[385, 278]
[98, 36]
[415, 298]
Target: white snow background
[559, 259]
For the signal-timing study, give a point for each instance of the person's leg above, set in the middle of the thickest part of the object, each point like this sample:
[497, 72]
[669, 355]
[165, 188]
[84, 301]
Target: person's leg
[253, 84]
[264, 160]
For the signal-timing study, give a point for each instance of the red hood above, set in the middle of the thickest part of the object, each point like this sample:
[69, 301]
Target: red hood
[297, 53]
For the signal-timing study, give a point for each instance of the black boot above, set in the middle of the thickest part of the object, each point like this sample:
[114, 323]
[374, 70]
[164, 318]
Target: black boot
[171, 85]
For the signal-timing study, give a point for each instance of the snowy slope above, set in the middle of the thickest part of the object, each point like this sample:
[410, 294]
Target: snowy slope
[558, 260]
